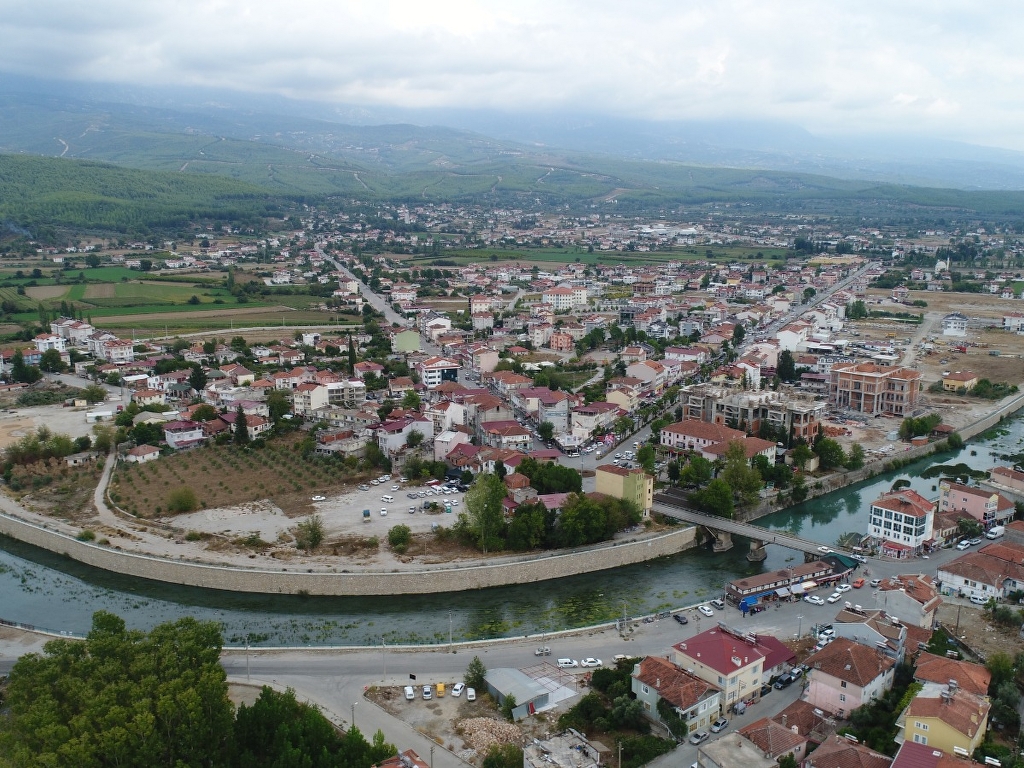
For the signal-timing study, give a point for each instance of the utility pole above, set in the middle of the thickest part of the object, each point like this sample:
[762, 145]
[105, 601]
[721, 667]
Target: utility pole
[383, 658]
[450, 645]
[247, 658]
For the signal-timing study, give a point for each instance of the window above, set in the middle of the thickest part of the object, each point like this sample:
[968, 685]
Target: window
[921, 726]
[646, 689]
[842, 697]
[919, 739]
[842, 684]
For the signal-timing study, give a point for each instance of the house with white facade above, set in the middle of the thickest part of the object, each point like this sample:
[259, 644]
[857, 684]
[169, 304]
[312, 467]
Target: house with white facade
[954, 324]
[902, 522]
[845, 675]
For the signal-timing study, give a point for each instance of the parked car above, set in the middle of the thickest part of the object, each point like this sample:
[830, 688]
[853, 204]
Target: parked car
[835, 597]
[718, 604]
[471, 694]
[681, 618]
[699, 737]
[859, 558]
[383, 511]
[827, 632]
[719, 725]
[974, 542]
[567, 663]
[814, 600]
[705, 610]
[965, 544]
[796, 673]
[784, 681]
[457, 689]
[858, 583]
[876, 582]
[544, 651]
[590, 661]
[766, 689]
[319, 498]
[428, 693]
[410, 693]
[843, 588]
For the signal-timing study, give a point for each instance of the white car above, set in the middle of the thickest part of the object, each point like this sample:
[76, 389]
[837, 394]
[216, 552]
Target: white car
[835, 597]
[567, 663]
[394, 487]
[319, 498]
[457, 689]
[383, 511]
[590, 661]
[842, 588]
[824, 550]
[814, 600]
[706, 610]
[375, 482]
[471, 694]
[455, 502]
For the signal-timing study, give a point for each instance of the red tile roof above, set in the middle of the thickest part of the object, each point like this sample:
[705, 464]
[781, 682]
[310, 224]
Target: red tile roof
[721, 650]
[846, 660]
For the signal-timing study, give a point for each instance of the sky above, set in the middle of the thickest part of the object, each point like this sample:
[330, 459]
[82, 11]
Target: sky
[948, 70]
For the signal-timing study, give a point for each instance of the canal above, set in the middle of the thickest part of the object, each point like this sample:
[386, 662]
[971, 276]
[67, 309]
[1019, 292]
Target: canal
[52, 592]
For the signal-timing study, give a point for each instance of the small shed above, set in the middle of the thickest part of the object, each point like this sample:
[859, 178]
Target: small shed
[530, 695]
[80, 459]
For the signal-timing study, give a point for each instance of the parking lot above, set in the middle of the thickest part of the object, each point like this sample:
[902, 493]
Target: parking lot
[343, 514]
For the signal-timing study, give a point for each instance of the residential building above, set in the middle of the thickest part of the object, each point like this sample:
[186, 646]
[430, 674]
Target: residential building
[694, 699]
[973, 678]
[183, 434]
[944, 716]
[140, 454]
[506, 434]
[731, 661]
[309, 397]
[902, 522]
[1013, 321]
[843, 752]
[873, 628]
[774, 739]
[732, 751]
[587, 419]
[435, 370]
[694, 435]
[845, 675]
[752, 446]
[994, 571]
[346, 393]
[48, 341]
[634, 485]
[871, 388]
[446, 441]
[954, 324]
[987, 507]
[784, 412]
[565, 298]
[913, 597]
[393, 436]
[959, 381]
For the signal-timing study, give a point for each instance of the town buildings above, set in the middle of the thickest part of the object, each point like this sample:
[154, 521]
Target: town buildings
[873, 389]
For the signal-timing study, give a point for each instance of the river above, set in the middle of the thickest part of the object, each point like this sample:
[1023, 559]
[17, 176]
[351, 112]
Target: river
[56, 593]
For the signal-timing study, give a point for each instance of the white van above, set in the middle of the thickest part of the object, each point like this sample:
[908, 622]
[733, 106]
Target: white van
[387, 499]
[979, 599]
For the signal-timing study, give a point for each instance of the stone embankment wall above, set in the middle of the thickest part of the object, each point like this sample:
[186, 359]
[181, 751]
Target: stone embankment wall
[399, 582]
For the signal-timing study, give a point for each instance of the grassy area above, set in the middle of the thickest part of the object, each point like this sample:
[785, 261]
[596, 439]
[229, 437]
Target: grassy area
[569, 255]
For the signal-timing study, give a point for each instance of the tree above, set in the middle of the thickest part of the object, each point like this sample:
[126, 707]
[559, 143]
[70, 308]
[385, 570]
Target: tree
[968, 527]
[205, 412]
[121, 698]
[697, 472]
[241, 435]
[351, 356]
[546, 430]
[715, 499]
[503, 756]
[801, 455]
[830, 453]
[22, 373]
[50, 361]
[739, 475]
[277, 404]
[855, 458]
[786, 369]
[738, 334]
[182, 499]
[486, 517]
[646, 458]
[809, 294]
[94, 394]
[197, 378]
[414, 438]
[145, 264]
[92, 260]
[673, 471]
[476, 674]
[411, 400]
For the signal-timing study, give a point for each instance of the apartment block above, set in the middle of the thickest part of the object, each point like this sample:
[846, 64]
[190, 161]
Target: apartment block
[871, 388]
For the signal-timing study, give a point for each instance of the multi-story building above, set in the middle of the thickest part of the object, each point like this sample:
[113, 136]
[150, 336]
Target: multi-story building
[945, 717]
[954, 324]
[634, 485]
[845, 675]
[873, 628]
[798, 416]
[564, 298]
[871, 388]
[987, 507]
[902, 521]
[435, 370]
[729, 660]
[694, 699]
[694, 435]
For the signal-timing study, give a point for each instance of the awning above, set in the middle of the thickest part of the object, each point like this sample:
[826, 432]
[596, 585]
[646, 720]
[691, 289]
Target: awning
[807, 586]
[782, 592]
[797, 589]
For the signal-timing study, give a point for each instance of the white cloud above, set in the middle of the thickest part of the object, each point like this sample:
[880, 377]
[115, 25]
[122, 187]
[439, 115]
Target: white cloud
[943, 68]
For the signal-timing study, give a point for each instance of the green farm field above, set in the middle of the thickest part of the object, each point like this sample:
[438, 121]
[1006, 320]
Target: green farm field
[542, 256]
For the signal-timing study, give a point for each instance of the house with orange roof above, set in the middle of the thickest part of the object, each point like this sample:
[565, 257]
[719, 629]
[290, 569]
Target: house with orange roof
[902, 521]
[845, 675]
[694, 699]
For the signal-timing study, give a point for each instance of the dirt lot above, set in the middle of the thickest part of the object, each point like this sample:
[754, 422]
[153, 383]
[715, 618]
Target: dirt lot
[69, 421]
[978, 632]
[467, 728]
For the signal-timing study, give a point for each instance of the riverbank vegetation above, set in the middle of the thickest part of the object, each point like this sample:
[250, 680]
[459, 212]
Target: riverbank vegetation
[125, 697]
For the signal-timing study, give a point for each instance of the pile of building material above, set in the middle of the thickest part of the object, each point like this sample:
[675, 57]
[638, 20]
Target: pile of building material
[481, 733]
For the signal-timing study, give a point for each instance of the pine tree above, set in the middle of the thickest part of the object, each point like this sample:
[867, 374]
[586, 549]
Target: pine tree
[351, 356]
[241, 428]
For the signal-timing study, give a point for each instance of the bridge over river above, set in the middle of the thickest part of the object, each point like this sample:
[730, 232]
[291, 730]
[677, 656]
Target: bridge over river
[672, 503]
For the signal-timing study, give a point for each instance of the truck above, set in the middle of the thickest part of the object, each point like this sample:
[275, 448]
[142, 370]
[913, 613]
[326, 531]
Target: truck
[995, 532]
[366, 516]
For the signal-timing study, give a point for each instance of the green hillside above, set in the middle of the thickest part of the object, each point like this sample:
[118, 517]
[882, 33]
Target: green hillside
[41, 191]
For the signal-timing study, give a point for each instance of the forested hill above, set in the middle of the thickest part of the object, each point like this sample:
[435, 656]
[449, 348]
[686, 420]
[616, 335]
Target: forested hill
[42, 192]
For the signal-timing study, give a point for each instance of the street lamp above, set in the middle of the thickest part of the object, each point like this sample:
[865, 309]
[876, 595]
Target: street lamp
[450, 648]
[799, 626]
[354, 703]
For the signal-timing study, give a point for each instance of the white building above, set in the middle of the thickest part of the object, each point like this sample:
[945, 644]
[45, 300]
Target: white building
[902, 520]
[954, 324]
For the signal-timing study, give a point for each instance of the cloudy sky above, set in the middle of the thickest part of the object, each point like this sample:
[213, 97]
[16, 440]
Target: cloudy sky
[943, 69]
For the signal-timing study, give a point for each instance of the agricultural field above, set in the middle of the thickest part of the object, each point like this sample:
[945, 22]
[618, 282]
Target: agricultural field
[543, 256]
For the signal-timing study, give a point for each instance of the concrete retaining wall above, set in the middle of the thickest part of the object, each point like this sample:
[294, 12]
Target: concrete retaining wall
[422, 581]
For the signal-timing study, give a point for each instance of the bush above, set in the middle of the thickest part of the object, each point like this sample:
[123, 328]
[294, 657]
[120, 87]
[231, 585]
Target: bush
[86, 535]
[309, 534]
[182, 499]
[399, 537]
[476, 674]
